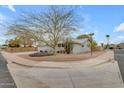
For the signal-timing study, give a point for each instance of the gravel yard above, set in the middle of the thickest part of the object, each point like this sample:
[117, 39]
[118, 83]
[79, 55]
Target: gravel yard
[63, 57]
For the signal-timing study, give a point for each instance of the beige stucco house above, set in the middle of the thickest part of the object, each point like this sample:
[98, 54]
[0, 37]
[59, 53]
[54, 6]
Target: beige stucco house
[79, 46]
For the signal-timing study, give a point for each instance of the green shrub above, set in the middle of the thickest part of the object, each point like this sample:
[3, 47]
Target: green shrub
[68, 46]
[14, 43]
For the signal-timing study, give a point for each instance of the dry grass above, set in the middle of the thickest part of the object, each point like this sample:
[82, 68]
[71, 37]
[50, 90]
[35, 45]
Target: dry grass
[64, 57]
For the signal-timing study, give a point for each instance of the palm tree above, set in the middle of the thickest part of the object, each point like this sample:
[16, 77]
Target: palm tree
[82, 36]
[107, 38]
[91, 42]
[90, 39]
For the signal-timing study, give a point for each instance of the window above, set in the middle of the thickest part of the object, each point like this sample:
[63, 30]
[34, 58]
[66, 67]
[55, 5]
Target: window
[82, 45]
[63, 45]
[59, 45]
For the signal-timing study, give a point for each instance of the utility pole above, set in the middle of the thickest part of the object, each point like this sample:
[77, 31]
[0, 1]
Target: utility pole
[107, 37]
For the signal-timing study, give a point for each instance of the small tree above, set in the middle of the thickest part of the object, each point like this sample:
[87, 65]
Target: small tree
[90, 40]
[22, 33]
[68, 46]
[93, 44]
[26, 42]
[14, 43]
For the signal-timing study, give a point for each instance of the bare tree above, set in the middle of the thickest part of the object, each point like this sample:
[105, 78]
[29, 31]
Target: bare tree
[48, 27]
[22, 33]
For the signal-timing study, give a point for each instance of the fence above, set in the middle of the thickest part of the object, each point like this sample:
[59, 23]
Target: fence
[21, 49]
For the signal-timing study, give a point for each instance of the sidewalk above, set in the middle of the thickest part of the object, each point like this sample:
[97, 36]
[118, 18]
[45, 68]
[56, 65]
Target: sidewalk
[100, 72]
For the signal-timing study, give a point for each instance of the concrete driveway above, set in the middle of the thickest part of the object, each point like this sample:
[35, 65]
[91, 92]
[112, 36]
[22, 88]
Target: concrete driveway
[100, 72]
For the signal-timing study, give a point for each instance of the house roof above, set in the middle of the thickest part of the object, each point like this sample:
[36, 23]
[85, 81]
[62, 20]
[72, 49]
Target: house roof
[121, 44]
[75, 41]
[81, 41]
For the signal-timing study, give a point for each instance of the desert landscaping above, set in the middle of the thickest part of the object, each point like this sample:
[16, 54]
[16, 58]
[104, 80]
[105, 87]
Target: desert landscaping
[54, 47]
[63, 57]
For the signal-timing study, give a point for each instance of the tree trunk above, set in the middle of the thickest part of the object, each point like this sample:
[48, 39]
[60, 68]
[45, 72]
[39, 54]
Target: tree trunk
[91, 51]
[54, 50]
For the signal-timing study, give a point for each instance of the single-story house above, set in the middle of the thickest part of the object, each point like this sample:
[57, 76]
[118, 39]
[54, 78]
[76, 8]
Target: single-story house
[79, 46]
[120, 46]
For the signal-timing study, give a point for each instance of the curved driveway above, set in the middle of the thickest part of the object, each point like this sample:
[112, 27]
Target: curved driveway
[100, 72]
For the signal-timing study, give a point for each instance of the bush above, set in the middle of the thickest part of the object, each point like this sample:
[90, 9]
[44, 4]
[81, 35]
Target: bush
[107, 47]
[68, 46]
[40, 54]
[14, 43]
[111, 47]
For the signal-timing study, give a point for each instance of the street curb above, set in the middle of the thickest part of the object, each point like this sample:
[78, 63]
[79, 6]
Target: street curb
[36, 65]
[119, 73]
[12, 75]
[29, 66]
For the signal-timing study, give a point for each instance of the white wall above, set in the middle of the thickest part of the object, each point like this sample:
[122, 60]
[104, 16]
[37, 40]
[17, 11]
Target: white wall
[77, 49]
[45, 48]
[60, 49]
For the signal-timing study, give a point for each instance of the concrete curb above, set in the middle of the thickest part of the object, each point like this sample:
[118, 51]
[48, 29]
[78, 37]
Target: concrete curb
[12, 75]
[36, 66]
[119, 73]
[26, 63]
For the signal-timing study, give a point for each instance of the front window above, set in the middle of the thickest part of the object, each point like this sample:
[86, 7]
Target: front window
[63, 45]
[82, 45]
[59, 45]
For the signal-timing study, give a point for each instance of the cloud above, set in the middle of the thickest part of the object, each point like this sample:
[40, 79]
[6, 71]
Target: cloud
[2, 18]
[81, 6]
[3, 38]
[118, 39]
[86, 18]
[12, 8]
[96, 32]
[119, 28]
[86, 32]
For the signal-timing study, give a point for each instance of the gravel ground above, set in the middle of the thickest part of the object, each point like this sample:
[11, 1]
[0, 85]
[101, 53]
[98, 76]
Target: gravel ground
[63, 57]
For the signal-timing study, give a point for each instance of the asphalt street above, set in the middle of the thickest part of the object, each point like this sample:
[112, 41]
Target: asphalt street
[119, 56]
[6, 80]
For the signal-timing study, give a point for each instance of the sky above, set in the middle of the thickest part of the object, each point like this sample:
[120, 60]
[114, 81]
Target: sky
[101, 20]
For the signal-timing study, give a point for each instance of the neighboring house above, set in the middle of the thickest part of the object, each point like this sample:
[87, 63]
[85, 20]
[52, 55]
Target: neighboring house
[120, 46]
[112, 46]
[79, 46]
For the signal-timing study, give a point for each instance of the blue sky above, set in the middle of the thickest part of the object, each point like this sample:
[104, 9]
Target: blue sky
[100, 20]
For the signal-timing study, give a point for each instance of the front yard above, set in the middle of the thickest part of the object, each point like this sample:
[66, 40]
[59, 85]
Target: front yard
[63, 57]
[95, 72]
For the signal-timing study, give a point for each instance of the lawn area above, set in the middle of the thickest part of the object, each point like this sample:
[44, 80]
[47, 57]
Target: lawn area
[63, 57]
